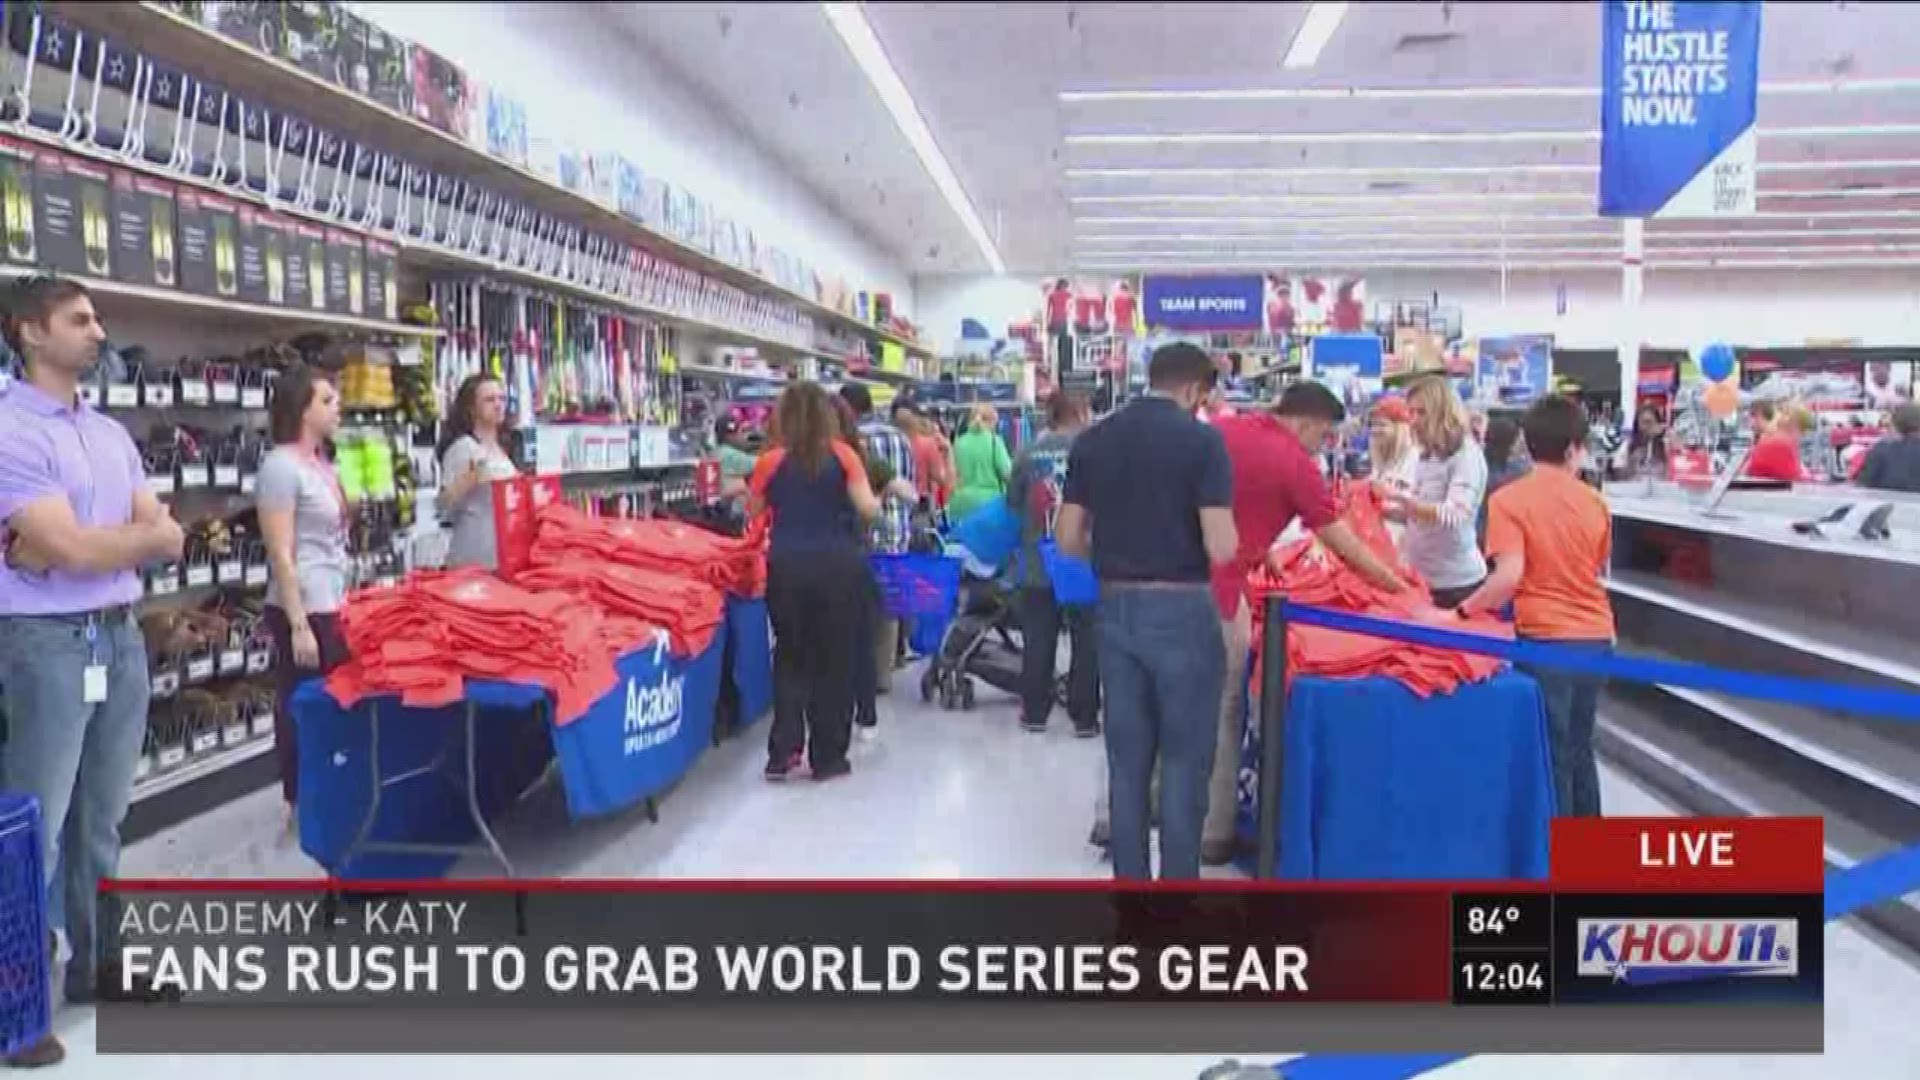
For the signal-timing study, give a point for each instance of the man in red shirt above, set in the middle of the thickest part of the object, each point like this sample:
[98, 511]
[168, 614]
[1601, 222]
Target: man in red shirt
[1275, 479]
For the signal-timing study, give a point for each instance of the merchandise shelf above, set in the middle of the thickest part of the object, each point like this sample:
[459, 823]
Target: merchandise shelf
[234, 312]
[256, 75]
[201, 767]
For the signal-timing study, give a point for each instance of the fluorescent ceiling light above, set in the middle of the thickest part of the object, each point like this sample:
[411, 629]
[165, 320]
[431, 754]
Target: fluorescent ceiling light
[1323, 18]
[851, 24]
[1455, 93]
[1244, 138]
[1537, 169]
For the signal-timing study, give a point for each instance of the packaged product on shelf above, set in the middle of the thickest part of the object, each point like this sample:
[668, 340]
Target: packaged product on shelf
[306, 265]
[654, 202]
[143, 223]
[253, 23]
[506, 127]
[439, 91]
[383, 290]
[603, 178]
[317, 37]
[209, 244]
[17, 199]
[629, 189]
[251, 242]
[59, 237]
[272, 232]
[382, 69]
[346, 263]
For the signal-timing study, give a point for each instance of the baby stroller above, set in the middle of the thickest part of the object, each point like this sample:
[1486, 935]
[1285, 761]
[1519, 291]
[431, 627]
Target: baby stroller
[978, 643]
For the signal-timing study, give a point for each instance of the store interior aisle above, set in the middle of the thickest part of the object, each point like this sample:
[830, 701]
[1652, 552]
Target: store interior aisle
[956, 795]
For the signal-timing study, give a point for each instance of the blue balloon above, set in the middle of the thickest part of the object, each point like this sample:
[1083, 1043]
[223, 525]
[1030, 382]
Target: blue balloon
[1716, 361]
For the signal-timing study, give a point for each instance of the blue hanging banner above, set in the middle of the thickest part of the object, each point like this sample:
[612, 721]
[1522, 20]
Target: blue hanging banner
[1203, 302]
[1680, 96]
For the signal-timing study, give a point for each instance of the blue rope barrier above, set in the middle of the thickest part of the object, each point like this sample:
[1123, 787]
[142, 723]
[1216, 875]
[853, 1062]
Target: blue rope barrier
[1840, 697]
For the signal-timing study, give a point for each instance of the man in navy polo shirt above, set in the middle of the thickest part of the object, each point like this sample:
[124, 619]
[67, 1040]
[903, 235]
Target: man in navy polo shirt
[1149, 498]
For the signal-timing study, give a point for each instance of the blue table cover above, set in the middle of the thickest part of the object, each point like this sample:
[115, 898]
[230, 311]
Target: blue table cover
[634, 742]
[1381, 785]
[752, 675]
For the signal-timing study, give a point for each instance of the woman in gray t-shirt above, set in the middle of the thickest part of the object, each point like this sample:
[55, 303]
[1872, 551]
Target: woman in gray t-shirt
[471, 458]
[304, 513]
[1442, 541]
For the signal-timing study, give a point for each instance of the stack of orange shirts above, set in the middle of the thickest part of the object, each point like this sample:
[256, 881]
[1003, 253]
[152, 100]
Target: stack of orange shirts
[636, 601]
[1304, 572]
[736, 566]
[425, 637]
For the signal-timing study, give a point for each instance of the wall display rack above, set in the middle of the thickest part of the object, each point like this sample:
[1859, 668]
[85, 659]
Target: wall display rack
[254, 81]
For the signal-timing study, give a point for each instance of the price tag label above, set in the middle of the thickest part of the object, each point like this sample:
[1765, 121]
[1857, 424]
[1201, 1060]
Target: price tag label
[162, 484]
[257, 574]
[247, 483]
[200, 669]
[90, 394]
[199, 574]
[253, 397]
[232, 660]
[157, 395]
[194, 475]
[142, 767]
[195, 392]
[122, 396]
[226, 393]
[258, 661]
[234, 734]
[230, 572]
[165, 683]
[226, 476]
[164, 584]
[206, 742]
[171, 756]
[263, 723]
[387, 581]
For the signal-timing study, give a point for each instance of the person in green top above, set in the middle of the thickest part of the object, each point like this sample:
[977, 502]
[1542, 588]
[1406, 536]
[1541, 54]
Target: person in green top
[981, 464]
[736, 461]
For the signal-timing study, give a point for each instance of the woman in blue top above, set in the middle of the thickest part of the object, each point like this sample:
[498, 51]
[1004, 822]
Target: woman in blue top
[815, 487]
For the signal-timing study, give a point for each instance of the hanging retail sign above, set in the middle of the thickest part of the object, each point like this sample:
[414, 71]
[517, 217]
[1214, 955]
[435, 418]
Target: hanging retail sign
[1203, 302]
[1679, 100]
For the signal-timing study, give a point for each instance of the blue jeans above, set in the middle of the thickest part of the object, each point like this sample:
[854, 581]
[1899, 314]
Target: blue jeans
[77, 759]
[1161, 667]
[1572, 700]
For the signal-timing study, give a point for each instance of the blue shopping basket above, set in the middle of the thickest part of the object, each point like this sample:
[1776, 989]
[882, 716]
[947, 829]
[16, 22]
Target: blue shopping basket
[26, 1006]
[1073, 582]
[917, 584]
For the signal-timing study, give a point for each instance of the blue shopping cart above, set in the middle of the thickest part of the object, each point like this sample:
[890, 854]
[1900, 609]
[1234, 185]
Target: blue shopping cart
[26, 1006]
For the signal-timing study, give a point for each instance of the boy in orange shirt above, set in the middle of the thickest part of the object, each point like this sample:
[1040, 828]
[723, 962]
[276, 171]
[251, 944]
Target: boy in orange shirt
[1550, 537]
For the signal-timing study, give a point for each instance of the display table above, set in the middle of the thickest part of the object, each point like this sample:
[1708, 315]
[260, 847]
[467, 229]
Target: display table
[750, 654]
[392, 792]
[1378, 784]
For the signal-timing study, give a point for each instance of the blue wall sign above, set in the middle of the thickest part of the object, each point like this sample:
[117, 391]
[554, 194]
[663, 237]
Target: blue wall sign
[1679, 98]
[1202, 302]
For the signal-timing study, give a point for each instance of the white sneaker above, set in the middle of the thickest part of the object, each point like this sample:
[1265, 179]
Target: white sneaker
[866, 733]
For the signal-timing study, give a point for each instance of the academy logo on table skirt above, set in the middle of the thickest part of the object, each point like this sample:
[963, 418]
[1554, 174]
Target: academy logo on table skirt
[1646, 952]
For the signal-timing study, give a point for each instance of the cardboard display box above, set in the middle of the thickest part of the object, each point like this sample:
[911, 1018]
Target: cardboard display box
[144, 210]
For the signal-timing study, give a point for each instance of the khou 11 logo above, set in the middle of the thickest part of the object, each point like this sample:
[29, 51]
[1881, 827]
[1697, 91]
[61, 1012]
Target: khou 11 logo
[1643, 952]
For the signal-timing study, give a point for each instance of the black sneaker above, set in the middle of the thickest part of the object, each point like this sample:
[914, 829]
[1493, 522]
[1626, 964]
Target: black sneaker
[781, 768]
[833, 771]
[1031, 724]
[1088, 730]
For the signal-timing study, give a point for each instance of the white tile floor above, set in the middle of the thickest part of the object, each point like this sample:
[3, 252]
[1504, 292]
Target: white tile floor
[937, 795]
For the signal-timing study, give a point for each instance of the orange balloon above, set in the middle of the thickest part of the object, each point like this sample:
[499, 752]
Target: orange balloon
[1722, 400]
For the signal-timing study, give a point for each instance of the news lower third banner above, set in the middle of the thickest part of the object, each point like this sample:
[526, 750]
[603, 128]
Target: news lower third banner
[1682, 957]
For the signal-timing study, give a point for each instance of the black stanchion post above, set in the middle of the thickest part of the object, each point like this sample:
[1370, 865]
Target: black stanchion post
[1273, 715]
